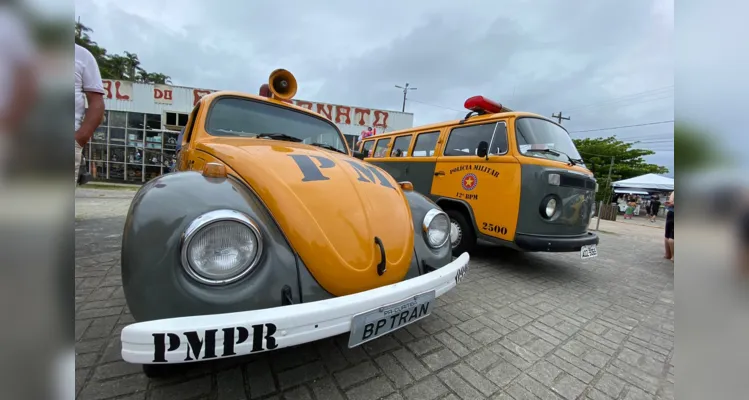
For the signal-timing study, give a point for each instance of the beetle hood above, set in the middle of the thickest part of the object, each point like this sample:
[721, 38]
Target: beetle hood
[331, 207]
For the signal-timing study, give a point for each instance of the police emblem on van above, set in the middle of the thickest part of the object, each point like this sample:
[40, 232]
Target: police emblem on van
[469, 181]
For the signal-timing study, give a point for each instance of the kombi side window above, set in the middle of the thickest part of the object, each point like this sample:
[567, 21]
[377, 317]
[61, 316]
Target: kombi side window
[367, 147]
[425, 144]
[381, 148]
[464, 141]
[400, 146]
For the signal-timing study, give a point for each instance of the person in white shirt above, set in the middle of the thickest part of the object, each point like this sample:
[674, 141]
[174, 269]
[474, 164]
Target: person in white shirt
[88, 88]
[17, 77]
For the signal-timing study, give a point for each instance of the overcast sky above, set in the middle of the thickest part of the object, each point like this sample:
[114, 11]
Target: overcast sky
[604, 63]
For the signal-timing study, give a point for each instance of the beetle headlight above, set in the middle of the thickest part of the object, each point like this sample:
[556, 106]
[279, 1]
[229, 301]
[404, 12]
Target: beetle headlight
[436, 227]
[220, 247]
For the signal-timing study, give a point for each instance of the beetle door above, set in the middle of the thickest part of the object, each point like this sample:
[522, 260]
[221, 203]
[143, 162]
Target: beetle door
[489, 185]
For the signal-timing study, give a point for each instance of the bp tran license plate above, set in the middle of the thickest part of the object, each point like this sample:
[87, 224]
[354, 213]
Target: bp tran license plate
[372, 324]
[588, 251]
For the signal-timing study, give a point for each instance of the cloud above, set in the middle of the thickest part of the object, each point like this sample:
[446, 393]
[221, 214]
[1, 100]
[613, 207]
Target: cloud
[602, 63]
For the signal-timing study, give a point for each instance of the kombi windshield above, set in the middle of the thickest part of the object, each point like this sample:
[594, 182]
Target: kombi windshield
[232, 116]
[536, 134]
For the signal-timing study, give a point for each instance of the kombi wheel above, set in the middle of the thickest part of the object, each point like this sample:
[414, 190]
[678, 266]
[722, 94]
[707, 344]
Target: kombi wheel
[462, 236]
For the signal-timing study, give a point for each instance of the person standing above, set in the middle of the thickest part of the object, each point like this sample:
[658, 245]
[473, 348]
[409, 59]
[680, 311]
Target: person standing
[655, 205]
[88, 88]
[18, 81]
[669, 239]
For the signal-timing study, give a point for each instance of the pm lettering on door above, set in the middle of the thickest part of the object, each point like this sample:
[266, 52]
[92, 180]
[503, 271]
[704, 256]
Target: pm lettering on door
[201, 345]
[313, 169]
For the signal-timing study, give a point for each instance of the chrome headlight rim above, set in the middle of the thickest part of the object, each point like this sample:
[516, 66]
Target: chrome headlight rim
[428, 218]
[543, 207]
[204, 221]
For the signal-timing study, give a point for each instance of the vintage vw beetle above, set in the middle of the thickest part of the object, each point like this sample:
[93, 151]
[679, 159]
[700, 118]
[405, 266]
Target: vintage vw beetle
[270, 234]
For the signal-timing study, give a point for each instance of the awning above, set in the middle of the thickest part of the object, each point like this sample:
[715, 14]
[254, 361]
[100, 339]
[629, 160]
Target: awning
[629, 191]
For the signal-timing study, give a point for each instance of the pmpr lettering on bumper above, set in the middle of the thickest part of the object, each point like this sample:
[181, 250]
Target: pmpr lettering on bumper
[208, 337]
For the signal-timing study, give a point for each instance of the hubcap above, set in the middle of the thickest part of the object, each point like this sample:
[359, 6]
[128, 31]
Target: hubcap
[456, 234]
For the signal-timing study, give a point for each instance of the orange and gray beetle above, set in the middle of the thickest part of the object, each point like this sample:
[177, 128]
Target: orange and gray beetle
[271, 234]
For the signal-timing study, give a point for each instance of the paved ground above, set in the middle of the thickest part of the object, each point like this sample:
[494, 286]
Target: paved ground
[530, 326]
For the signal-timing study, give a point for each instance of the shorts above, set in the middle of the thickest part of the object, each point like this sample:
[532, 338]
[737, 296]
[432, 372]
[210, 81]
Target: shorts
[78, 155]
[670, 225]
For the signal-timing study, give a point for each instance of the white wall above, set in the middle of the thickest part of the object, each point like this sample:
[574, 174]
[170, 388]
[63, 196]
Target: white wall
[157, 99]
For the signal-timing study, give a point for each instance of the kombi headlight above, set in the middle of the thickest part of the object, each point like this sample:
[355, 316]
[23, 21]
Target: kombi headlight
[551, 207]
[220, 247]
[436, 227]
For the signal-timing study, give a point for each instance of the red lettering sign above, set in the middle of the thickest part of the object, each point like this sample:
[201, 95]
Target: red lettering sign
[361, 116]
[117, 86]
[342, 115]
[162, 94]
[304, 104]
[197, 94]
[381, 118]
[325, 110]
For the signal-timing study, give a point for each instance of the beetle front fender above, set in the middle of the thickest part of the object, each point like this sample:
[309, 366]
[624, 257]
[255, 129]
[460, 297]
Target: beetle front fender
[428, 258]
[155, 283]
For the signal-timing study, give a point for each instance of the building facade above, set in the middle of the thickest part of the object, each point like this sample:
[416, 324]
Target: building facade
[138, 138]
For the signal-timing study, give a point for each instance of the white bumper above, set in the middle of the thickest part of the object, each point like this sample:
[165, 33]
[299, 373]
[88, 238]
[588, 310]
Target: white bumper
[198, 338]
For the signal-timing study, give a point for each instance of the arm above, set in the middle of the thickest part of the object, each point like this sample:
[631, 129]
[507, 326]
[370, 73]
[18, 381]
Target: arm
[94, 90]
[92, 119]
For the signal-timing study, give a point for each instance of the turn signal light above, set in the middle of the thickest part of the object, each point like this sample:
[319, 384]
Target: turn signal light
[214, 170]
[406, 185]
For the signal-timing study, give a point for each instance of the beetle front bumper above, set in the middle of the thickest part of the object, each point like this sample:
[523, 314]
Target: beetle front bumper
[198, 338]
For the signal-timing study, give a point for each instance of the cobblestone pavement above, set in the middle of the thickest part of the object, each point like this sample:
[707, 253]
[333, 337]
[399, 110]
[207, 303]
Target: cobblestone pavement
[522, 326]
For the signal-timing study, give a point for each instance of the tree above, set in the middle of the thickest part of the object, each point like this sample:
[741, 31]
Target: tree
[114, 66]
[696, 150]
[628, 161]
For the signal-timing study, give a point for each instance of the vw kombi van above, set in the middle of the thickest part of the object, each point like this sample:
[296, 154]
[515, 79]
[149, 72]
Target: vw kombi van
[270, 234]
[506, 177]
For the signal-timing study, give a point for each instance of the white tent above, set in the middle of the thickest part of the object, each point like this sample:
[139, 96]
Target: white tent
[651, 182]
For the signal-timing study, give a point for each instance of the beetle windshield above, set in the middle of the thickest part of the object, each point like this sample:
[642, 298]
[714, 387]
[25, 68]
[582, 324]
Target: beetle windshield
[233, 116]
[535, 136]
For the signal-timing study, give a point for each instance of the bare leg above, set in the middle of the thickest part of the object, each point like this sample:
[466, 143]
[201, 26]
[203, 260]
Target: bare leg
[668, 249]
[671, 248]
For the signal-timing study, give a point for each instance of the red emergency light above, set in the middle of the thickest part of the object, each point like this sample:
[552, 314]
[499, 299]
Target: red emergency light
[482, 105]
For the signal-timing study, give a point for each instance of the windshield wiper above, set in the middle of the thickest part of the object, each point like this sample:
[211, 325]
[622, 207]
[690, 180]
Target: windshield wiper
[278, 136]
[329, 147]
[571, 160]
[233, 133]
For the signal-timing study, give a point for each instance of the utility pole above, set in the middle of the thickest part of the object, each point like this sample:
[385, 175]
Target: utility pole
[559, 117]
[600, 204]
[405, 91]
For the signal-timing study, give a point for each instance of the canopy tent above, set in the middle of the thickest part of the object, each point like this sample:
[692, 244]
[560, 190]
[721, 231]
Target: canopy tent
[630, 191]
[650, 182]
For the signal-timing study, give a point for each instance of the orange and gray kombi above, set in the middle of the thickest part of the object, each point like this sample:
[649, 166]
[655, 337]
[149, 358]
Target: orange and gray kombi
[505, 177]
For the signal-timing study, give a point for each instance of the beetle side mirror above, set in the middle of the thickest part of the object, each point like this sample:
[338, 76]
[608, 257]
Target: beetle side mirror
[483, 149]
[359, 154]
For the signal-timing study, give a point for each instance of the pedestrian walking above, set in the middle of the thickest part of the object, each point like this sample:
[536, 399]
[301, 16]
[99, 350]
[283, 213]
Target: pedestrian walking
[669, 239]
[655, 206]
[88, 89]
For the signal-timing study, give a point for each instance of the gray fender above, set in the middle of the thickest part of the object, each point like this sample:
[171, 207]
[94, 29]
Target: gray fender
[427, 259]
[156, 285]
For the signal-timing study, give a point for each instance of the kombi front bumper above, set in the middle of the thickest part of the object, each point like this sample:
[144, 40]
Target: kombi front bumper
[556, 244]
[199, 338]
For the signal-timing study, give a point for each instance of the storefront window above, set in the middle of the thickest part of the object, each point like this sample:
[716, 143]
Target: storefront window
[153, 121]
[98, 152]
[136, 120]
[135, 138]
[116, 153]
[118, 119]
[100, 135]
[153, 140]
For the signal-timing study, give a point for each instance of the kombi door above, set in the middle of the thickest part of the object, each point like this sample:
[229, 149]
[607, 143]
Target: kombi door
[483, 192]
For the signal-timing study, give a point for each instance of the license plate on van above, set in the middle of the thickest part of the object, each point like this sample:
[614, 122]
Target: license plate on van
[372, 324]
[588, 251]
